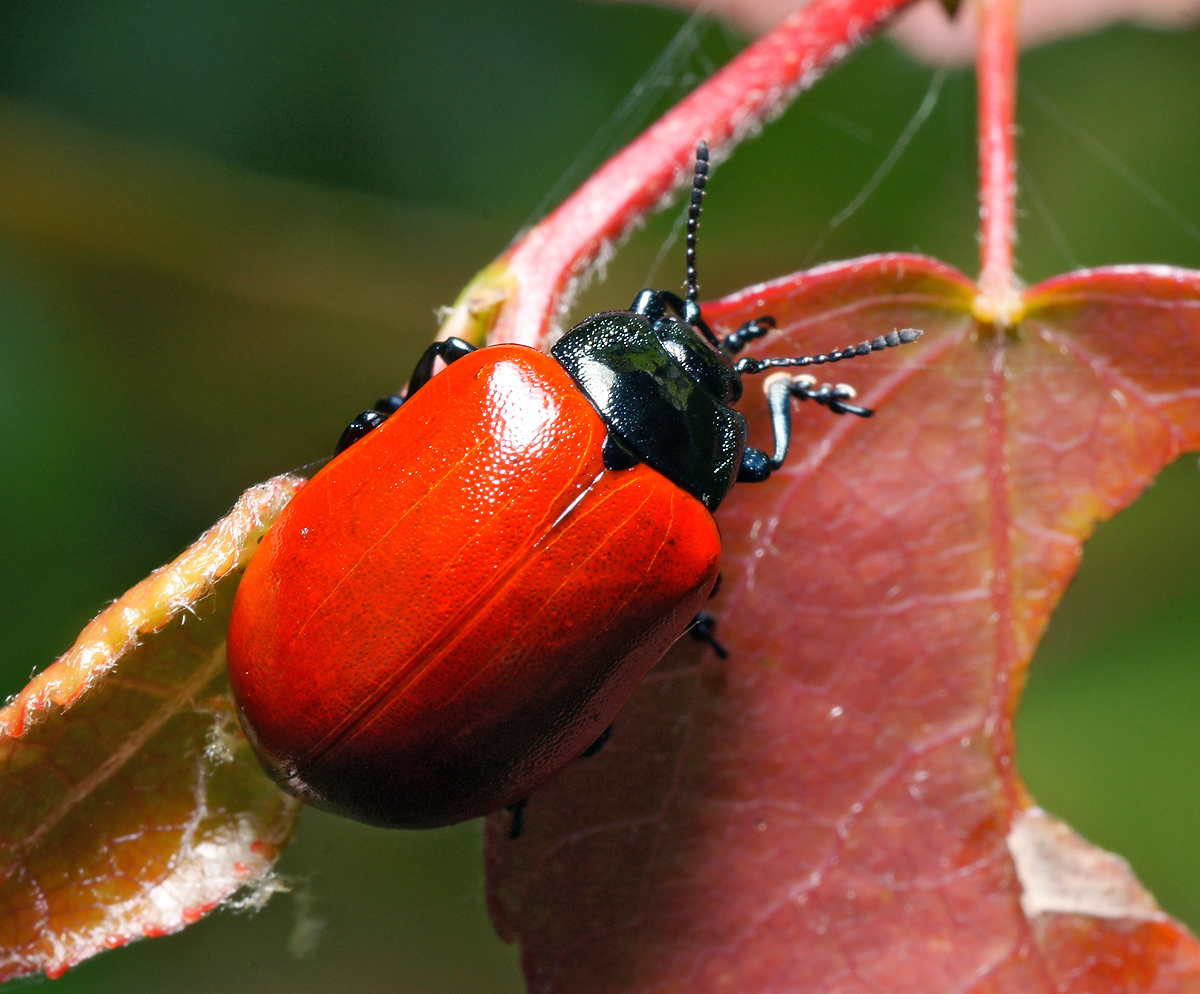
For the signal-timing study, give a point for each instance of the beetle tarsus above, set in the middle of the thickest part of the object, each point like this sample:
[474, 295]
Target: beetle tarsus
[780, 388]
[448, 351]
[747, 333]
[389, 405]
[364, 424]
[596, 746]
[834, 396]
[703, 629]
[517, 828]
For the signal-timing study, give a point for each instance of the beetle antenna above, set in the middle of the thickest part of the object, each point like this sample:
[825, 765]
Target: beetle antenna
[699, 179]
[889, 341]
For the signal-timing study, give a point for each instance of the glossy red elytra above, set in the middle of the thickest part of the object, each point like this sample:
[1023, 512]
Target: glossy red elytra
[461, 601]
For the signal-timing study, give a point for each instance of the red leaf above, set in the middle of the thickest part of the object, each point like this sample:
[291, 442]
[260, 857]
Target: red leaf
[130, 803]
[835, 808]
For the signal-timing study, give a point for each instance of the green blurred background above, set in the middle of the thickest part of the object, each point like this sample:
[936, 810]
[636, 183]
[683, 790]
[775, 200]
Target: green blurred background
[224, 228]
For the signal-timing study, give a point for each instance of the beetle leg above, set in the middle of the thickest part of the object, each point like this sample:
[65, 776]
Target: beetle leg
[447, 351]
[780, 388]
[650, 305]
[748, 332]
[689, 311]
[517, 828]
[365, 422]
[703, 629]
[756, 464]
[596, 746]
[832, 396]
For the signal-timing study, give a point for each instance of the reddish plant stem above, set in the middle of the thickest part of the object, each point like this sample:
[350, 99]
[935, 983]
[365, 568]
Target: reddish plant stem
[996, 69]
[999, 304]
[758, 83]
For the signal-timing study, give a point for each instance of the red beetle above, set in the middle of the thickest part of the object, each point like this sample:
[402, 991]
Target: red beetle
[461, 601]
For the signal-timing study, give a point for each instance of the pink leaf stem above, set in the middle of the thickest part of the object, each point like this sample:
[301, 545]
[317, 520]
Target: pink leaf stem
[997, 74]
[543, 266]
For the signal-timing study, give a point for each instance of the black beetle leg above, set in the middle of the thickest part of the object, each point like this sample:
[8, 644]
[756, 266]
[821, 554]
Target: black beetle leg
[596, 746]
[832, 396]
[448, 351]
[748, 332]
[689, 310]
[756, 464]
[780, 388]
[703, 629]
[517, 828]
[366, 422]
